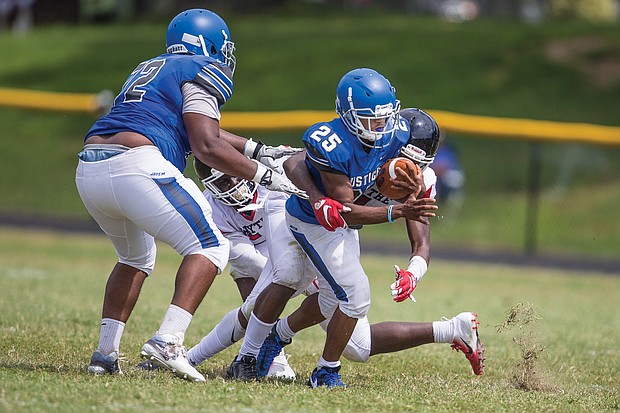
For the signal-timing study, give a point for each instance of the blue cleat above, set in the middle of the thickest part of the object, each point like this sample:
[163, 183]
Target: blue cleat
[326, 376]
[271, 348]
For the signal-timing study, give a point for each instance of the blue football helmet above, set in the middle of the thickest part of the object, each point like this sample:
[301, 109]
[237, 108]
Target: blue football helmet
[201, 32]
[362, 96]
[230, 190]
[423, 139]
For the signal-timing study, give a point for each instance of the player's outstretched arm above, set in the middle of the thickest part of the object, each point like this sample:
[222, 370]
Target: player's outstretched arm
[265, 154]
[338, 187]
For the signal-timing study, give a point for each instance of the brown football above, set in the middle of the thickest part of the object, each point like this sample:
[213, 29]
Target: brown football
[388, 171]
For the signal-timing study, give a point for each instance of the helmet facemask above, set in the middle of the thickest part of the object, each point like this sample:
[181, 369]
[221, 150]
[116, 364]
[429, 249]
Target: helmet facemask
[416, 155]
[230, 190]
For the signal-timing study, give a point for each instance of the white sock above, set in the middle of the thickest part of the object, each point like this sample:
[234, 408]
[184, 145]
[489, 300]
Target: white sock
[443, 331]
[284, 330]
[175, 322]
[227, 332]
[256, 333]
[110, 335]
[331, 364]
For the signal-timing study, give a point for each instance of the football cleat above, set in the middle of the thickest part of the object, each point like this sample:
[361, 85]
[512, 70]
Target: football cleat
[467, 340]
[280, 369]
[243, 368]
[326, 376]
[148, 365]
[101, 364]
[165, 351]
[271, 348]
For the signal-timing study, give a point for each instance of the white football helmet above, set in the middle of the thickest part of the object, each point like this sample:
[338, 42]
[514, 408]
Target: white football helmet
[230, 190]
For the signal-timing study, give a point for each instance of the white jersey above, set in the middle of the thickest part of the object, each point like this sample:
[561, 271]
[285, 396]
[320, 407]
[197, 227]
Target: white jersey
[245, 229]
[372, 196]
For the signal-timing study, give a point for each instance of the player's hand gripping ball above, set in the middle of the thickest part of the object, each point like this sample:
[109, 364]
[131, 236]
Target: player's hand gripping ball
[388, 172]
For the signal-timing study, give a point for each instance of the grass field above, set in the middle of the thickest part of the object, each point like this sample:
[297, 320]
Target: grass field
[557, 351]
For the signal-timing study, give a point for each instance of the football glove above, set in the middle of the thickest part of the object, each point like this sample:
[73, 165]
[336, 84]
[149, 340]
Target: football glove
[275, 181]
[327, 212]
[267, 155]
[404, 285]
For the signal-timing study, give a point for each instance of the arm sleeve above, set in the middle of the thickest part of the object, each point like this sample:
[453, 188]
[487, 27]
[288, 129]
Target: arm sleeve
[198, 100]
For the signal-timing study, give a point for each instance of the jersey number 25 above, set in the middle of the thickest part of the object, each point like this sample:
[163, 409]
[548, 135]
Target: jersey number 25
[329, 139]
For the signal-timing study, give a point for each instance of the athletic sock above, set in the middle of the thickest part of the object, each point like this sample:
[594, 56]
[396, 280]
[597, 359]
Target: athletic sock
[255, 334]
[331, 364]
[175, 322]
[284, 330]
[227, 332]
[110, 335]
[443, 331]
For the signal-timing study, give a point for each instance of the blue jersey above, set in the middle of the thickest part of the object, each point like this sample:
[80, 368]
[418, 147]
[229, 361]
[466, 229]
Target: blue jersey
[151, 102]
[330, 147]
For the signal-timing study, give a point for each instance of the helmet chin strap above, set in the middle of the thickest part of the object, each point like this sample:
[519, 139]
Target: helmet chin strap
[203, 44]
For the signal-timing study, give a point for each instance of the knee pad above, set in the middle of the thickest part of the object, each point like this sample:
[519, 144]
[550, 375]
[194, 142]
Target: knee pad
[359, 345]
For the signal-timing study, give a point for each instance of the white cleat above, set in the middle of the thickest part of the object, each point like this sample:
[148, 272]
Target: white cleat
[466, 340]
[164, 350]
[280, 369]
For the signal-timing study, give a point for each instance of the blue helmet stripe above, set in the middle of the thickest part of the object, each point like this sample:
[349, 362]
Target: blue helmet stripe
[320, 265]
[185, 204]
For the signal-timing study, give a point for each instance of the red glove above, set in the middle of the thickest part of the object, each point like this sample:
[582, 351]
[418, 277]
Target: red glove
[327, 212]
[404, 285]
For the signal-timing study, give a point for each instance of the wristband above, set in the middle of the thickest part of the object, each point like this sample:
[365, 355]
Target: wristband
[389, 214]
[252, 148]
[260, 172]
[417, 267]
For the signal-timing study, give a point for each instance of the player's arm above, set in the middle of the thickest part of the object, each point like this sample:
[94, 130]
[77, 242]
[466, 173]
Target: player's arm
[408, 279]
[297, 171]
[326, 210]
[204, 139]
[338, 187]
[265, 154]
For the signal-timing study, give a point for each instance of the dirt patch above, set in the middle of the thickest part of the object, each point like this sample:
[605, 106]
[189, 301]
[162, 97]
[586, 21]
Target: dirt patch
[529, 374]
[592, 55]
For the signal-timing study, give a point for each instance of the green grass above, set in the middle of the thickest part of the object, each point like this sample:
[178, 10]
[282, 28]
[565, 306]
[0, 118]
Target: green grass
[294, 60]
[52, 286]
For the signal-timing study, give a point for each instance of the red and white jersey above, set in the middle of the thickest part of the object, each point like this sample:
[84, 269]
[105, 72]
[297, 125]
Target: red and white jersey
[372, 196]
[245, 229]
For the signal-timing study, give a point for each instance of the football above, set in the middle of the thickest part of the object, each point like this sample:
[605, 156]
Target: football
[388, 171]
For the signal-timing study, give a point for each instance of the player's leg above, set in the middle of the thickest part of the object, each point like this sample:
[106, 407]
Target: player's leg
[336, 257]
[391, 336]
[228, 331]
[233, 325]
[245, 286]
[173, 209]
[461, 331]
[136, 254]
[288, 263]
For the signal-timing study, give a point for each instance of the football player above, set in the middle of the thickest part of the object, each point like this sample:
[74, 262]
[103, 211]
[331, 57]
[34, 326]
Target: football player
[130, 179]
[343, 158]
[252, 219]
[368, 340]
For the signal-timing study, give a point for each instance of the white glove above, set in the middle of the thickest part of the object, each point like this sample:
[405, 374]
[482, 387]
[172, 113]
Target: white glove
[275, 181]
[267, 155]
